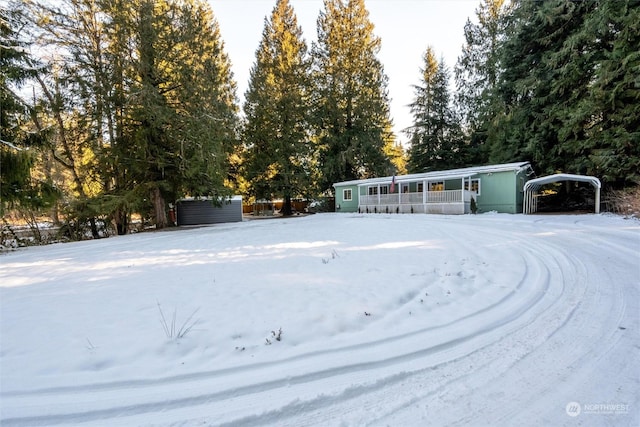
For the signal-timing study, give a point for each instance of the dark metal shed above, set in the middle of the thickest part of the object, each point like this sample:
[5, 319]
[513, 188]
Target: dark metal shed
[204, 211]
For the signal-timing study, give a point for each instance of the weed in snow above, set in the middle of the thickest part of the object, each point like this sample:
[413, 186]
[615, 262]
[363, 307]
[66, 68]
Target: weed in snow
[170, 329]
[92, 348]
[276, 335]
[334, 255]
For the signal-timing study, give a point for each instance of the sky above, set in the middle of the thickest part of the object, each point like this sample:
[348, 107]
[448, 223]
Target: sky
[406, 27]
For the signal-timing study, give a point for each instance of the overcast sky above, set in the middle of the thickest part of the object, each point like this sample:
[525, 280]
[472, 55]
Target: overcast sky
[406, 28]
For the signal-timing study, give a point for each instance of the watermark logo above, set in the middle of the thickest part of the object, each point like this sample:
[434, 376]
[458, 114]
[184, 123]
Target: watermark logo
[573, 409]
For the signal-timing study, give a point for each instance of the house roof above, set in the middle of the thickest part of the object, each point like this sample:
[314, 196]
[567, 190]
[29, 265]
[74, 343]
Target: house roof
[447, 174]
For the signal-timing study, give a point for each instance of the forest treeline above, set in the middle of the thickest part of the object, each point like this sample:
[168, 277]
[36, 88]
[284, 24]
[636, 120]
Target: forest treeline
[134, 105]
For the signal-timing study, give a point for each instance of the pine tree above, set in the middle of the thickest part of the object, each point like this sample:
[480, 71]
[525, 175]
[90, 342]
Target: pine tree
[569, 87]
[208, 105]
[184, 116]
[154, 114]
[539, 81]
[277, 132]
[476, 75]
[435, 135]
[18, 187]
[352, 101]
[611, 107]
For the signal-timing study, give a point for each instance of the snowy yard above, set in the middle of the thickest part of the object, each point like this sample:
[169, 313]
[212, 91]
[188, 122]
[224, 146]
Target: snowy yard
[329, 320]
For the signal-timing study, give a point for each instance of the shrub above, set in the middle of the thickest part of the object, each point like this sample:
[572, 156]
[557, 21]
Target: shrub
[473, 206]
[624, 202]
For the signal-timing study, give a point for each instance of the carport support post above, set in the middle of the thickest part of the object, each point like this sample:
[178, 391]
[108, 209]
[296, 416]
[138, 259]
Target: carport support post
[597, 200]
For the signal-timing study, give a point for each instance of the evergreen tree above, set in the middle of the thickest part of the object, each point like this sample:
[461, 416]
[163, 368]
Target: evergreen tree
[276, 133]
[610, 111]
[352, 101]
[435, 135]
[17, 134]
[476, 74]
[569, 88]
[539, 81]
[145, 104]
[184, 117]
[397, 155]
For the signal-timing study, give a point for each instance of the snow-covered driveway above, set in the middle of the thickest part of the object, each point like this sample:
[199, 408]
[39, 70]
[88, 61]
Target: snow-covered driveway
[400, 320]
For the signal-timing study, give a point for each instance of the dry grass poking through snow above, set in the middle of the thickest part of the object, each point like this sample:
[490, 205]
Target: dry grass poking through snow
[624, 202]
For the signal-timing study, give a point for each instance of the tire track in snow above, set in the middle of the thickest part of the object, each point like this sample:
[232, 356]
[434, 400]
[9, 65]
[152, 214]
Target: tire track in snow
[558, 304]
[561, 358]
[167, 404]
[428, 377]
[524, 279]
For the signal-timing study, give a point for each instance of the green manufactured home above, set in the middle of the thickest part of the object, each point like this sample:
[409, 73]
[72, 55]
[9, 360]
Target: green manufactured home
[493, 188]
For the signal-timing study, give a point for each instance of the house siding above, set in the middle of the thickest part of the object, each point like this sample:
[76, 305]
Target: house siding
[497, 192]
[501, 190]
[343, 205]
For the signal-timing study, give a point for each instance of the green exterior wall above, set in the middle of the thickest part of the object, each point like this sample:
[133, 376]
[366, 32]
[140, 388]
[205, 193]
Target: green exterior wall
[346, 205]
[501, 192]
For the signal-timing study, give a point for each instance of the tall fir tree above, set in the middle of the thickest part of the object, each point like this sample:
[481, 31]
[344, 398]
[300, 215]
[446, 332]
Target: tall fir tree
[610, 111]
[476, 75]
[569, 88]
[184, 118]
[435, 136]
[539, 80]
[154, 106]
[354, 124]
[277, 133]
[19, 140]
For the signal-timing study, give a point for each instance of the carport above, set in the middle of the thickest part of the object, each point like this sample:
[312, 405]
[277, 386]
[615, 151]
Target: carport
[530, 203]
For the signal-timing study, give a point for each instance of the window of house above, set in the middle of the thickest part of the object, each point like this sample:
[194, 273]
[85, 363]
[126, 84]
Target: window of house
[346, 195]
[420, 187]
[475, 185]
[405, 188]
[384, 189]
[373, 191]
[436, 186]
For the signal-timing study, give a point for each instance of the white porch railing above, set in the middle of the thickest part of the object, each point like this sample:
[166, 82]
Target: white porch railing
[446, 196]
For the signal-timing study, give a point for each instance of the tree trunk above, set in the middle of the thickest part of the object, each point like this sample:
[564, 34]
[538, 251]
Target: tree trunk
[70, 162]
[159, 208]
[286, 206]
[121, 219]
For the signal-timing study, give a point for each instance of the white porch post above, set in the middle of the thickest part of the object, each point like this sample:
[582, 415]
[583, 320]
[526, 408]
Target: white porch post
[378, 194]
[424, 192]
[597, 200]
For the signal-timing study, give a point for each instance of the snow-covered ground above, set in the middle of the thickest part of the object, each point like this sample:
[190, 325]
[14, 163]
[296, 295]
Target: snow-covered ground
[399, 320]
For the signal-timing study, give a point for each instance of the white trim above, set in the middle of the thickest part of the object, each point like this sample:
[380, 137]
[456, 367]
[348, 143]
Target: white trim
[441, 175]
[470, 184]
[344, 197]
[530, 201]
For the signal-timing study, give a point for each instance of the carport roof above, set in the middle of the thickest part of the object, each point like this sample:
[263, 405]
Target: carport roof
[531, 187]
[536, 183]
